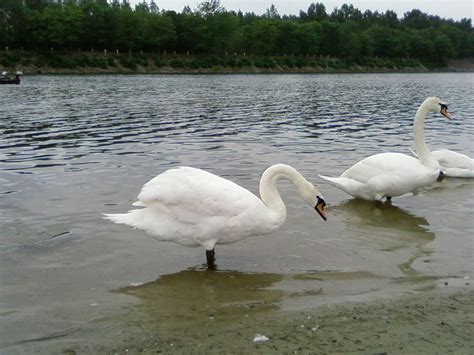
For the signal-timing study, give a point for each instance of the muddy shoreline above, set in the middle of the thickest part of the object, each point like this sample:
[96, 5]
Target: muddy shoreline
[439, 322]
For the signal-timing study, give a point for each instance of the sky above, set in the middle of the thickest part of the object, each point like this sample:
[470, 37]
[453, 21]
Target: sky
[455, 9]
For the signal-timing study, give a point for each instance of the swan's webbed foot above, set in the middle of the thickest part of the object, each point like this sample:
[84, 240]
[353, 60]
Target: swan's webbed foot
[378, 203]
[440, 176]
[210, 257]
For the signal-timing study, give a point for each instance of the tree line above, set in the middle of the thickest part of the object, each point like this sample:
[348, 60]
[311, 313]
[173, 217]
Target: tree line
[346, 32]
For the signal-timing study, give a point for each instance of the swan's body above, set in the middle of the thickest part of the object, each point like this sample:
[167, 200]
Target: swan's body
[381, 175]
[454, 164]
[194, 208]
[394, 174]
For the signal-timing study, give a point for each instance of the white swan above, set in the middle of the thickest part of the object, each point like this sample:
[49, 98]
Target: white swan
[394, 174]
[453, 164]
[194, 208]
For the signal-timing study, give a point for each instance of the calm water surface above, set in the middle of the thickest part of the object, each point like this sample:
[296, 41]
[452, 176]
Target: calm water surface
[74, 147]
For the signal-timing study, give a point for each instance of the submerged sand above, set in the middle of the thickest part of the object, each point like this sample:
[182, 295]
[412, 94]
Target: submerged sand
[216, 320]
[437, 323]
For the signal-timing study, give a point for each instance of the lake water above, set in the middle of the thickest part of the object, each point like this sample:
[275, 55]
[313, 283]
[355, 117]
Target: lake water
[74, 147]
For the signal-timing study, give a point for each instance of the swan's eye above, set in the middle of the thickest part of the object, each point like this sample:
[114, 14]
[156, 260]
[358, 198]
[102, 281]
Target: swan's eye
[443, 107]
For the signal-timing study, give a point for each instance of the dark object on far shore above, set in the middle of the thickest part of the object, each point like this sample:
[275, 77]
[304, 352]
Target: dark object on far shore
[6, 79]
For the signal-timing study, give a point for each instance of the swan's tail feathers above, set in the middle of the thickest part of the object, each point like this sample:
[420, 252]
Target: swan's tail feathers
[335, 181]
[132, 218]
[345, 184]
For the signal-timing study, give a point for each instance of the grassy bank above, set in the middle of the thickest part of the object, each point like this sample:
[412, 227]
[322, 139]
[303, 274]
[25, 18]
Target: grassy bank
[139, 63]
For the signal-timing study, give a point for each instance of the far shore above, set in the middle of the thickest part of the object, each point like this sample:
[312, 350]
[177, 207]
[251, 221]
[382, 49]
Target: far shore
[91, 63]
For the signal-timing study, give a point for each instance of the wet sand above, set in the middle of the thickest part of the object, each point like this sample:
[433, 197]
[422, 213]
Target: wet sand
[426, 323]
[222, 313]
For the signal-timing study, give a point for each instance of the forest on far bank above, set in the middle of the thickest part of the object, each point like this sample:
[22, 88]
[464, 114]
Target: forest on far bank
[210, 29]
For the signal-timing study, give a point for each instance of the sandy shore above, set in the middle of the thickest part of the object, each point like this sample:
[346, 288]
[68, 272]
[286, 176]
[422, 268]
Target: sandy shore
[435, 323]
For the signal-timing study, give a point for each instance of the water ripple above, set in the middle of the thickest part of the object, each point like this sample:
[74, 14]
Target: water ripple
[50, 120]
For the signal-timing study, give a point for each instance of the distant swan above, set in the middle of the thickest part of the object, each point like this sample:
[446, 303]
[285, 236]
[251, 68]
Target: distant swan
[386, 175]
[454, 164]
[194, 208]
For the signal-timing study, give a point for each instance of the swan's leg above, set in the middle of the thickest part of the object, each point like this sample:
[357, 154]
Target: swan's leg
[210, 256]
[441, 176]
[378, 203]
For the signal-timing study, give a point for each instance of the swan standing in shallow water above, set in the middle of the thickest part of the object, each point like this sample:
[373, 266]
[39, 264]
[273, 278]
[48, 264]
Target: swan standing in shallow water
[387, 175]
[195, 208]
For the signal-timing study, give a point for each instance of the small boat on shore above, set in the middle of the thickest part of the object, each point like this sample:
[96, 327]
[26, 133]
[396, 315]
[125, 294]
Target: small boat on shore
[7, 79]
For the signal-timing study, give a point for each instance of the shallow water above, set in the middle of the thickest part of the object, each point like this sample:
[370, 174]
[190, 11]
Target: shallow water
[74, 147]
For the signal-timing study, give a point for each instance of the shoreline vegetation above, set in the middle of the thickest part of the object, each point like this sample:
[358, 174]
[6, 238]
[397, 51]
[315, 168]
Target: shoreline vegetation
[32, 63]
[112, 37]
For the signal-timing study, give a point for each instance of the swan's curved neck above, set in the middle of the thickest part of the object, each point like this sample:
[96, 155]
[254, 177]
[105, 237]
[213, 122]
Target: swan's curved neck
[422, 150]
[269, 192]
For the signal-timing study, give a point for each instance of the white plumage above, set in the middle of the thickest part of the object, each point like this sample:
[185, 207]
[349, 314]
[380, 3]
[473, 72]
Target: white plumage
[394, 174]
[194, 208]
[454, 164]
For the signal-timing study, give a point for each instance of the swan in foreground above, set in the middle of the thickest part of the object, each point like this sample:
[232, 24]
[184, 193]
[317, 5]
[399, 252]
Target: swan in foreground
[454, 164]
[195, 208]
[386, 175]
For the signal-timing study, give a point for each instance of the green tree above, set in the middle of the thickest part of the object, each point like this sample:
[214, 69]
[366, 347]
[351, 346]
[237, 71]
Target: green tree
[288, 39]
[11, 21]
[346, 12]
[261, 37]
[383, 40]
[129, 29]
[309, 35]
[416, 19]
[142, 7]
[349, 38]
[102, 24]
[210, 7]
[443, 48]
[222, 32]
[329, 37]
[159, 33]
[272, 12]
[191, 32]
[419, 44]
[315, 12]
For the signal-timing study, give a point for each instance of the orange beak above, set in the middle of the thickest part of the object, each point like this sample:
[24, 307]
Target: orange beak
[445, 113]
[320, 209]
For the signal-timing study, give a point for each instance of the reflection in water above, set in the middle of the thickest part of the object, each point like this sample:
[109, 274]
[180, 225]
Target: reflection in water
[389, 228]
[200, 300]
[193, 296]
[365, 213]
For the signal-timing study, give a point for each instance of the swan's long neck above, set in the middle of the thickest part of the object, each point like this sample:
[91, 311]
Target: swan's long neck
[269, 192]
[422, 150]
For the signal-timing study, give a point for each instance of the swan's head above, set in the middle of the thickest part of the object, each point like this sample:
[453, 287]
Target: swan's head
[315, 199]
[435, 104]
